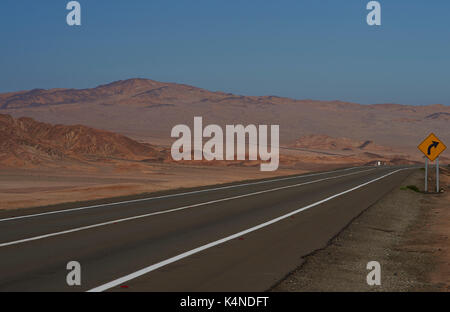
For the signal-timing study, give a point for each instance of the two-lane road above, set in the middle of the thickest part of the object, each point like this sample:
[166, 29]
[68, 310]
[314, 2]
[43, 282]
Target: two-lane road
[238, 237]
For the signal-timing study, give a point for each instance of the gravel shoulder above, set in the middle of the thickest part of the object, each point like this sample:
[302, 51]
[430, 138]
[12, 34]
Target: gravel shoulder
[407, 232]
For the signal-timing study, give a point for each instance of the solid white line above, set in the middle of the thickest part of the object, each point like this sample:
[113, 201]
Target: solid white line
[171, 195]
[158, 265]
[168, 211]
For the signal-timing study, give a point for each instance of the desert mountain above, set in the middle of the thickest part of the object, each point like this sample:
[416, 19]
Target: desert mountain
[147, 110]
[25, 141]
[325, 142]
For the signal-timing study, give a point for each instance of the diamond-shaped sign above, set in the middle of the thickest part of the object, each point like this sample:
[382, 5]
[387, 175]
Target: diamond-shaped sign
[432, 147]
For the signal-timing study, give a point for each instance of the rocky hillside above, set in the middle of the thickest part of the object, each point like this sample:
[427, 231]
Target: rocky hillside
[324, 142]
[24, 141]
[146, 109]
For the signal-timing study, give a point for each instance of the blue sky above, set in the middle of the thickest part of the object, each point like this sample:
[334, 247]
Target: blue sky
[318, 49]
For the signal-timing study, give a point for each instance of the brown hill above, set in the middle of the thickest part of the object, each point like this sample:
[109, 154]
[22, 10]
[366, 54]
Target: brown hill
[121, 91]
[146, 109]
[440, 115]
[324, 142]
[25, 141]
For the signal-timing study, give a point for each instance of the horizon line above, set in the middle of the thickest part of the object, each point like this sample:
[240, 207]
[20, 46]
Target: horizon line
[219, 91]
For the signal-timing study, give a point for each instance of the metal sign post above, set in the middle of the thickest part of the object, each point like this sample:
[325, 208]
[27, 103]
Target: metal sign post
[437, 175]
[426, 174]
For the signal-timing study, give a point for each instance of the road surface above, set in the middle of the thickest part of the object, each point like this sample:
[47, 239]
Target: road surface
[239, 237]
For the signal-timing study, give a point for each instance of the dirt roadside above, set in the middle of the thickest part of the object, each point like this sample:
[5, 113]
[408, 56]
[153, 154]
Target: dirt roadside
[407, 232]
[26, 188]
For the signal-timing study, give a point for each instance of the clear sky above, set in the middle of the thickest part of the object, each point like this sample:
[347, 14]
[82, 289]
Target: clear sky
[317, 49]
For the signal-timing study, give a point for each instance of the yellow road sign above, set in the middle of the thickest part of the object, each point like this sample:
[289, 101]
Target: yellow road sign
[432, 147]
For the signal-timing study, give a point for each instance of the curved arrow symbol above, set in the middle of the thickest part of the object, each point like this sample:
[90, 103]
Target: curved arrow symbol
[434, 144]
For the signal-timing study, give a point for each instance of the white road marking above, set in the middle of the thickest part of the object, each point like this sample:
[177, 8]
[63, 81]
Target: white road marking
[186, 254]
[169, 196]
[168, 211]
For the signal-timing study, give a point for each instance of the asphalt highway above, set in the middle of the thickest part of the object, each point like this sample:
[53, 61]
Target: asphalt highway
[239, 237]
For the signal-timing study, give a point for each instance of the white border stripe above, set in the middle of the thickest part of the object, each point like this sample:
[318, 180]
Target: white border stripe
[168, 211]
[171, 195]
[186, 254]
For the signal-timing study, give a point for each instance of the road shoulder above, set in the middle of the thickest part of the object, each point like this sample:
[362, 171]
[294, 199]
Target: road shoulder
[406, 232]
